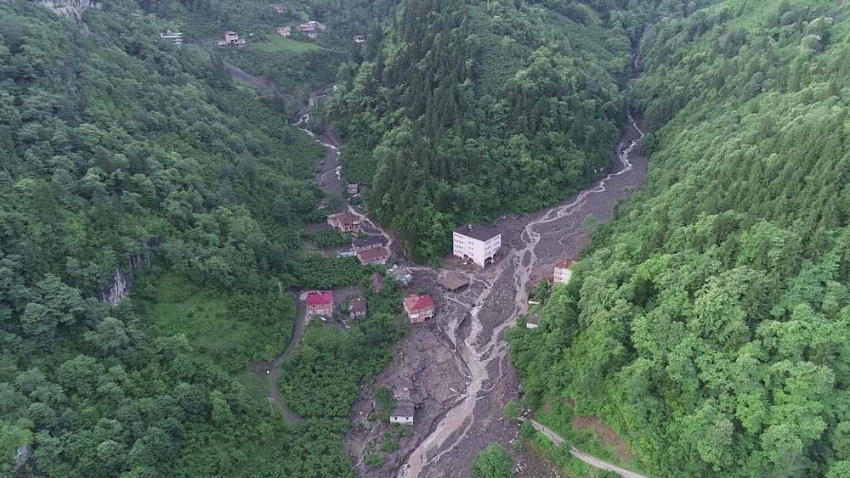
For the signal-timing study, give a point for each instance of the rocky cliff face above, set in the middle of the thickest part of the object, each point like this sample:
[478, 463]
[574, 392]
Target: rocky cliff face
[119, 286]
[72, 9]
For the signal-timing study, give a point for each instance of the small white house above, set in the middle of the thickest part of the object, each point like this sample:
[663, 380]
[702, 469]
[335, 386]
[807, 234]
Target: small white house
[403, 413]
[478, 244]
[533, 322]
[562, 271]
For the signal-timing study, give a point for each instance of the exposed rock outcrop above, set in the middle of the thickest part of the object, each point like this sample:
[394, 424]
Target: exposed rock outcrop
[72, 9]
[119, 286]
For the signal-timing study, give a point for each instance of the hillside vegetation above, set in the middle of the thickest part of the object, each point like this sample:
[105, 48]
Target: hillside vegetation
[472, 109]
[709, 323]
[115, 145]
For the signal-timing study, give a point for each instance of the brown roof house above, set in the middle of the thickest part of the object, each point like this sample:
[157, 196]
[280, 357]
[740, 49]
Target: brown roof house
[357, 308]
[345, 222]
[419, 308]
[374, 256]
[320, 303]
[361, 244]
[452, 281]
[562, 271]
[285, 32]
[403, 413]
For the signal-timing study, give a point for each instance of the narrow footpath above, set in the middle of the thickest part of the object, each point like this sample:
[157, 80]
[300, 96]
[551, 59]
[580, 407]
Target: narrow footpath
[298, 327]
[590, 460]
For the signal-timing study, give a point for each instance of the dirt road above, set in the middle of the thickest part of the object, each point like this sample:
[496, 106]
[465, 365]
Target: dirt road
[590, 460]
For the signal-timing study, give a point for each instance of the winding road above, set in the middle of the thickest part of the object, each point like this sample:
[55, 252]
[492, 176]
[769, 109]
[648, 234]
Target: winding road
[475, 320]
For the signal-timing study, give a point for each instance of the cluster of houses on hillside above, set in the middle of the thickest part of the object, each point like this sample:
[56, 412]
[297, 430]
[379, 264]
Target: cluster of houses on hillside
[310, 29]
[321, 304]
[418, 308]
[368, 249]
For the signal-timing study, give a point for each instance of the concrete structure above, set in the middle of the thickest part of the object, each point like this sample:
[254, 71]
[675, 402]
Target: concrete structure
[352, 189]
[562, 271]
[403, 413]
[345, 222]
[176, 38]
[361, 244]
[285, 32]
[403, 389]
[231, 39]
[419, 308]
[320, 303]
[374, 256]
[402, 275]
[357, 308]
[359, 39]
[533, 322]
[478, 244]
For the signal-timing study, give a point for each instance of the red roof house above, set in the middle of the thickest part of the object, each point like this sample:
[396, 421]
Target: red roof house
[320, 303]
[419, 308]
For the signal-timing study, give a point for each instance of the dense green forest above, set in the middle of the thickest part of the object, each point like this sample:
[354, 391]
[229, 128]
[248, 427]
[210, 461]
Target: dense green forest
[709, 322]
[471, 109]
[117, 149]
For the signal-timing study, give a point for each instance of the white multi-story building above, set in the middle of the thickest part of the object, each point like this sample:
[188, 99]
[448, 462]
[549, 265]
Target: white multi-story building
[477, 243]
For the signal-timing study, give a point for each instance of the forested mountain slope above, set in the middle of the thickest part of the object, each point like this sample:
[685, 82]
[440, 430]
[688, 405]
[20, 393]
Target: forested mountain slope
[113, 144]
[472, 109]
[710, 321]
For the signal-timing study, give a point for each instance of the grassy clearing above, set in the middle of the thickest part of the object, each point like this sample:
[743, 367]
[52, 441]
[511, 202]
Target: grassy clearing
[558, 415]
[278, 43]
[232, 329]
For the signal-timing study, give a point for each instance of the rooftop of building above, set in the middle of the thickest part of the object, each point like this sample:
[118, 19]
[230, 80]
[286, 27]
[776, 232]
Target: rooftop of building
[481, 233]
